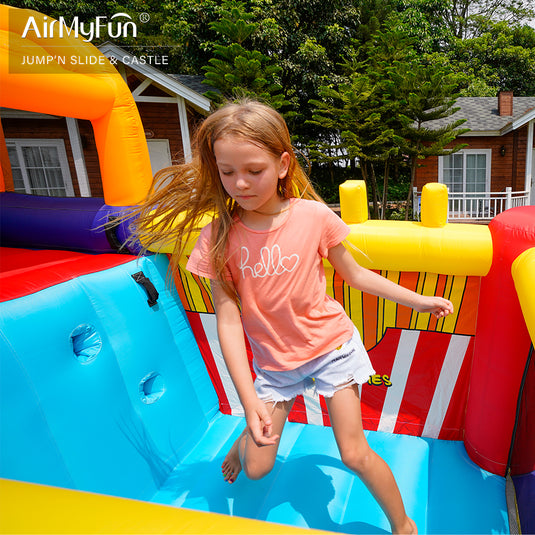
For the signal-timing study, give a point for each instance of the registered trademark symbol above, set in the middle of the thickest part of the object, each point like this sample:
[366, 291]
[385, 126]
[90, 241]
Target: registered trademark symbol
[144, 17]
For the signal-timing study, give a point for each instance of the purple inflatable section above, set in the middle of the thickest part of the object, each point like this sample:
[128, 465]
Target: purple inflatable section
[525, 495]
[76, 224]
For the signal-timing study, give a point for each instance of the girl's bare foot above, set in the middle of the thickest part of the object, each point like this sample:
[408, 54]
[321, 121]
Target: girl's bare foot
[231, 466]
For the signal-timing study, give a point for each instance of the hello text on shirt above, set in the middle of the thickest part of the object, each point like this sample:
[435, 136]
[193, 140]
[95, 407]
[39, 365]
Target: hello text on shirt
[272, 262]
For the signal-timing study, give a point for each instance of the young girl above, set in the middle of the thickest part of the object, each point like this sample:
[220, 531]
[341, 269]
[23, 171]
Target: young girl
[263, 252]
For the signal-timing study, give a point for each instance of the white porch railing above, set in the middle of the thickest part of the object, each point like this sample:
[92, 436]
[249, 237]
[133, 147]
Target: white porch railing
[480, 205]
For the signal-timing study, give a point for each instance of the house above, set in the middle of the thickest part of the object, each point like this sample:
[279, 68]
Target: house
[496, 169]
[57, 156]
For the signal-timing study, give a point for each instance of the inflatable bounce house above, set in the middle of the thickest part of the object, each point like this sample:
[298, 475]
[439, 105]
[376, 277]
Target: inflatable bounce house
[117, 409]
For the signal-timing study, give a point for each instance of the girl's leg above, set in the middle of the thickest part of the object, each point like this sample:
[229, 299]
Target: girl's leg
[346, 420]
[256, 461]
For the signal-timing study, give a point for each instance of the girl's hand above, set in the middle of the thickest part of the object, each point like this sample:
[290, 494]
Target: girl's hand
[260, 425]
[437, 306]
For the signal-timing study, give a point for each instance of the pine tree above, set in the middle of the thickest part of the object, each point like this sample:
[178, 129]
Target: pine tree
[365, 112]
[235, 71]
[383, 112]
[426, 92]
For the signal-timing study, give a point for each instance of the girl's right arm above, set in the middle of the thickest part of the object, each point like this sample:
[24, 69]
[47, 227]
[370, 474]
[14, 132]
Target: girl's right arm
[232, 341]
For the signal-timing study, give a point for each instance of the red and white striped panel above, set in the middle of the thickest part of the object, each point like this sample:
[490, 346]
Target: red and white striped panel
[428, 375]
[420, 387]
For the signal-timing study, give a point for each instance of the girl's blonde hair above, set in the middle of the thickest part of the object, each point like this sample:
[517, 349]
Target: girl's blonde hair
[182, 195]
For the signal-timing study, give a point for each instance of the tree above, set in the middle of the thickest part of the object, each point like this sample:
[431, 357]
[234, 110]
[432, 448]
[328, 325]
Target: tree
[503, 57]
[238, 72]
[365, 134]
[424, 22]
[187, 25]
[487, 43]
[311, 38]
[427, 94]
[464, 17]
[363, 115]
[441, 21]
[388, 53]
[385, 110]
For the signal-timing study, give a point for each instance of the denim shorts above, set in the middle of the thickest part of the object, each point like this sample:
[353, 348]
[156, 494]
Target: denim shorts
[340, 368]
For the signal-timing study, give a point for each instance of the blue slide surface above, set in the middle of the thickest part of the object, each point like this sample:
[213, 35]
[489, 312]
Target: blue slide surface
[104, 393]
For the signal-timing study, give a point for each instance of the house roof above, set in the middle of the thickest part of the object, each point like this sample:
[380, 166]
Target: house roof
[182, 85]
[193, 81]
[481, 114]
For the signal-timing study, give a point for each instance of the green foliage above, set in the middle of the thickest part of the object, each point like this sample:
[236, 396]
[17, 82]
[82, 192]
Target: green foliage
[187, 25]
[502, 56]
[427, 94]
[236, 71]
[486, 42]
[384, 109]
[441, 21]
[425, 22]
[362, 114]
[353, 78]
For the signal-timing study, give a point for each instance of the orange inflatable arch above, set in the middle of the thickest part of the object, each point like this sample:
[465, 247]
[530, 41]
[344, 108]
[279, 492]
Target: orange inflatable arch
[89, 88]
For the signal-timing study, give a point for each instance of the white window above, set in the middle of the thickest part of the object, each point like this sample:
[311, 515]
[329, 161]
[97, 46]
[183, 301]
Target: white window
[40, 167]
[466, 171]
[467, 175]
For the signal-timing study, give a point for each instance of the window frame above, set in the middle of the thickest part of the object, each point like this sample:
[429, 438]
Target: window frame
[465, 153]
[59, 144]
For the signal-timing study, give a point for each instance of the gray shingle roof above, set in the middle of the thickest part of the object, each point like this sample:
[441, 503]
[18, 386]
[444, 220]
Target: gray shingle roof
[481, 114]
[193, 81]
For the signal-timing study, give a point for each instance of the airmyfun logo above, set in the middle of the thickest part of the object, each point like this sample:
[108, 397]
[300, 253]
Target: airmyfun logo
[96, 29]
[54, 40]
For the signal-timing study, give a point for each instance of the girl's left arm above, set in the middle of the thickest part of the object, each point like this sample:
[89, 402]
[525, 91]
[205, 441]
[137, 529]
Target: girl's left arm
[370, 282]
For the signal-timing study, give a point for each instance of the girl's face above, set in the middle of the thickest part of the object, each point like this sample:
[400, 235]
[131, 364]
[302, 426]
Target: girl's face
[250, 173]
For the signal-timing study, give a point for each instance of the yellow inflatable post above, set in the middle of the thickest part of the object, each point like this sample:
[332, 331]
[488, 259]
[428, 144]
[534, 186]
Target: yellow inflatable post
[431, 245]
[434, 205]
[353, 201]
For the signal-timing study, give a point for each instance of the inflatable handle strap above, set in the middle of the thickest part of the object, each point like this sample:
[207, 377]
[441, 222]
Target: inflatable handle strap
[144, 281]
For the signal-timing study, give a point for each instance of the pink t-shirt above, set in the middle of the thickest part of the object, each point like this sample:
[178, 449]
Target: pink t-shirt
[279, 276]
